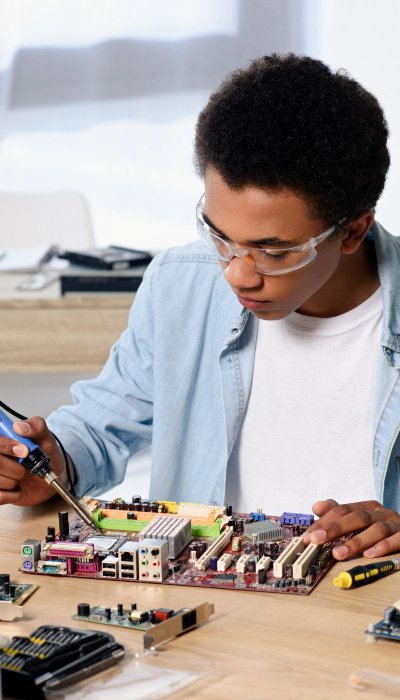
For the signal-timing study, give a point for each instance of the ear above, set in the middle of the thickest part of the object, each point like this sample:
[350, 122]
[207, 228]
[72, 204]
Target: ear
[356, 232]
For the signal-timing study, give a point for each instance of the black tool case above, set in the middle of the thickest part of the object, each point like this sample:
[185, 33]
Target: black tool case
[53, 657]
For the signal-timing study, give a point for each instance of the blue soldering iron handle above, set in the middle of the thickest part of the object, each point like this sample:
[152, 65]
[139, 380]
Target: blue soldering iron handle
[6, 429]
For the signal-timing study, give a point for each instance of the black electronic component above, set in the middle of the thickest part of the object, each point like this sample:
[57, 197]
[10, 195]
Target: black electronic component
[130, 516]
[108, 505]
[136, 499]
[235, 558]
[153, 507]
[176, 568]
[262, 576]
[302, 582]
[229, 510]
[12, 590]
[249, 550]
[133, 607]
[66, 654]
[120, 609]
[251, 565]
[155, 552]
[295, 582]
[227, 578]
[83, 610]
[145, 506]
[63, 524]
[288, 570]
[269, 548]
[259, 549]
[239, 525]
[277, 583]
[107, 613]
[144, 616]
[4, 578]
[51, 532]
[6, 588]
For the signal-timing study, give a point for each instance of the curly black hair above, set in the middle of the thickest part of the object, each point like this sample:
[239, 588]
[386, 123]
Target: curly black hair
[290, 122]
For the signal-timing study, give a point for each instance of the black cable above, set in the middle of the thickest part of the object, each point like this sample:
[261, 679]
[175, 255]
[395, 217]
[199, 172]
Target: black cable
[21, 417]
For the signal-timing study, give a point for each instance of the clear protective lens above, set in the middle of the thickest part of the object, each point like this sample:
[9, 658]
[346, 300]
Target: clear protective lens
[268, 262]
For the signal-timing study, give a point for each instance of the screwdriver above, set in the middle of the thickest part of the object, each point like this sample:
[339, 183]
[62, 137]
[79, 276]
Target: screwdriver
[37, 463]
[361, 575]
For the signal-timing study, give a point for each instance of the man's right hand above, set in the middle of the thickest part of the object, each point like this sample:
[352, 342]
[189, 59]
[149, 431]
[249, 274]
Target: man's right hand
[17, 485]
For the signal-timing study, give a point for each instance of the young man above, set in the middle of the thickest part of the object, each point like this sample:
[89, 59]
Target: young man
[275, 382]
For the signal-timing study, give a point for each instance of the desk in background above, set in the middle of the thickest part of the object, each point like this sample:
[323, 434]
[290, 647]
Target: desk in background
[44, 332]
[265, 647]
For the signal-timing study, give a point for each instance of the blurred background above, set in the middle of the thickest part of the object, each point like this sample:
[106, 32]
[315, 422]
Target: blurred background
[100, 98]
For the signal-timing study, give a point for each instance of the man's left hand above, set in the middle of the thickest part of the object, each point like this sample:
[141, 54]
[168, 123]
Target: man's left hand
[377, 528]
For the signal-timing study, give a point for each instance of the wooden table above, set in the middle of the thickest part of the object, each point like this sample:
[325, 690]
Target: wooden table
[44, 332]
[265, 647]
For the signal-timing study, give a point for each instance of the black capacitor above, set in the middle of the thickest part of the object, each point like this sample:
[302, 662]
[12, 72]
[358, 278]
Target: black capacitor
[302, 582]
[193, 547]
[119, 506]
[288, 571]
[83, 610]
[51, 532]
[288, 583]
[262, 576]
[199, 549]
[145, 506]
[130, 516]
[277, 583]
[49, 538]
[107, 612]
[269, 548]
[170, 572]
[295, 582]
[120, 609]
[231, 523]
[229, 510]
[133, 607]
[176, 568]
[296, 530]
[239, 525]
[4, 578]
[108, 505]
[204, 546]
[12, 590]
[6, 587]
[138, 507]
[136, 499]
[251, 565]
[126, 506]
[153, 507]
[63, 523]
[259, 548]
[152, 617]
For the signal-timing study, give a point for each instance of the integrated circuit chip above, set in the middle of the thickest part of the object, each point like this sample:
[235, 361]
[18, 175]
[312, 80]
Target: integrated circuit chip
[227, 578]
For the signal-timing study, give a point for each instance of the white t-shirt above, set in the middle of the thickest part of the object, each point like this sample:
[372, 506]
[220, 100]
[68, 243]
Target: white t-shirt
[307, 430]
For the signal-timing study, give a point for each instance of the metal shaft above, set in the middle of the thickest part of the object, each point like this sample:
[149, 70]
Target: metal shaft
[52, 479]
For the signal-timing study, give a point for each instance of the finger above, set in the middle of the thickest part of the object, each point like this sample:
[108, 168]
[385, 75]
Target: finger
[383, 547]
[11, 468]
[340, 511]
[320, 508]
[369, 538]
[13, 496]
[36, 430]
[12, 447]
[351, 522]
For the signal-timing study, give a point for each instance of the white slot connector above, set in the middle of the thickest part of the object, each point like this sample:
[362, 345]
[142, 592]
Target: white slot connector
[287, 556]
[193, 557]
[303, 563]
[217, 547]
[224, 562]
[263, 563]
[243, 563]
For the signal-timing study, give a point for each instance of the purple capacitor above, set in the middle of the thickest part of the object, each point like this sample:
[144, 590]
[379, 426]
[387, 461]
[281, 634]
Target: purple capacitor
[213, 563]
[199, 549]
[260, 548]
[204, 546]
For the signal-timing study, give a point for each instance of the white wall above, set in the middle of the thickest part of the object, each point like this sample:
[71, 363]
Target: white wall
[362, 36]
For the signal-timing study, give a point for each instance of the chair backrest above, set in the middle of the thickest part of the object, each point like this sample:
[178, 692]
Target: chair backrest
[61, 218]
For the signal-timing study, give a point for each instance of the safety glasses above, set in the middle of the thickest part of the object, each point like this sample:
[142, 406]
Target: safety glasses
[268, 261]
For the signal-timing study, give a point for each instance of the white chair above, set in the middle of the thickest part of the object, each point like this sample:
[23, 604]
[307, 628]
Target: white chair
[60, 218]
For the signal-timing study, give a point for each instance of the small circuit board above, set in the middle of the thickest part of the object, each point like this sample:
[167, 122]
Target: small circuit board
[183, 544]
[158, 625]
[12, 595]
[389, 627]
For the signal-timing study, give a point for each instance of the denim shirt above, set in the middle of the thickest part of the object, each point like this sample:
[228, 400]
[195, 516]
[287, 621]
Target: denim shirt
[179, 377]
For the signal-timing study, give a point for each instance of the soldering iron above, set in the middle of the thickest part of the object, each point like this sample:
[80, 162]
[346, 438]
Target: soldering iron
[38, 463]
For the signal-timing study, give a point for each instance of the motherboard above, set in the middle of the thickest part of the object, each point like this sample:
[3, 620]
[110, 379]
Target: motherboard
[187, 544]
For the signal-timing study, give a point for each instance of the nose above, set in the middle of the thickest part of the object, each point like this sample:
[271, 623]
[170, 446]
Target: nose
[240, 275]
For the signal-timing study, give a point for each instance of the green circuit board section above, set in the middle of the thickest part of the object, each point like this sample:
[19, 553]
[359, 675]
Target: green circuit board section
[98, 614]
[137, 525]
[22, 592]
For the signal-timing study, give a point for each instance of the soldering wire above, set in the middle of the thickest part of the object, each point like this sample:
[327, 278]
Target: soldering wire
[21, 417]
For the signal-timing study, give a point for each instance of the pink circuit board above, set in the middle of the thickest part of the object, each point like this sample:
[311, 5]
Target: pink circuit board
[184, 573]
